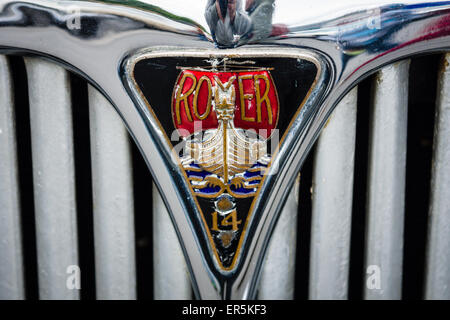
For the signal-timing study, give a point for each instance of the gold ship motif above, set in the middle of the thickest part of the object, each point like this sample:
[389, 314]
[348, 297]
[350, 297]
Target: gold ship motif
[226, 152]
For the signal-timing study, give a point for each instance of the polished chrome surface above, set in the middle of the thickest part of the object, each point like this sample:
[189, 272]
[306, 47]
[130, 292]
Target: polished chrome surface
[53, 177]
[112, 189]
[332, 201]
[94, 38]
[11, 269]
[438, 260]
[387, 179]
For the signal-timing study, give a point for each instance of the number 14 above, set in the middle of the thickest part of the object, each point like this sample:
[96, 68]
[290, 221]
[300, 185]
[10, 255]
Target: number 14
[229, 220]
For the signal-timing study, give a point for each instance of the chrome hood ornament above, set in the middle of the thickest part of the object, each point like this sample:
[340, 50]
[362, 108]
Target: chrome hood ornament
[236, 22]
[163, 66]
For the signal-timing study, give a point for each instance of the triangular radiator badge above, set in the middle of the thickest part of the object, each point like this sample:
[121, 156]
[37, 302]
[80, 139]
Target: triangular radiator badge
[225, 117]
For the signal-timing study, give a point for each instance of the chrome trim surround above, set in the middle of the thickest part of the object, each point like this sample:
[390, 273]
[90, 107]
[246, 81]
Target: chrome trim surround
[96, 38]
[276, 175]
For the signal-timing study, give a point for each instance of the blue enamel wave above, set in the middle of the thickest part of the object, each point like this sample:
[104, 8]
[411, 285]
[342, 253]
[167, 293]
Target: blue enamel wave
[203, 174]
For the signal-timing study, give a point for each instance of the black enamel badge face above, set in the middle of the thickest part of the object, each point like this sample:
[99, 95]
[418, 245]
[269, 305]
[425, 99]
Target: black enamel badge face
[225, 118]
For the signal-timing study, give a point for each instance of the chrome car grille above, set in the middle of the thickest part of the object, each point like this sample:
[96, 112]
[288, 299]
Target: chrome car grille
[374, 195]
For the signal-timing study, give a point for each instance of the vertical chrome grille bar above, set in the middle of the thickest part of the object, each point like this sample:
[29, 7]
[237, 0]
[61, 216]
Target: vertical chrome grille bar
[53, 177]
[171, 278]
[113, 204]
[438, 259]
[278, 273]
[386, 184]
[11, 262]
[332, 203]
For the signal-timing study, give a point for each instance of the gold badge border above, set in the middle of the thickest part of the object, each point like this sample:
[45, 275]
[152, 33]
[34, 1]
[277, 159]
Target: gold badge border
[217, 55]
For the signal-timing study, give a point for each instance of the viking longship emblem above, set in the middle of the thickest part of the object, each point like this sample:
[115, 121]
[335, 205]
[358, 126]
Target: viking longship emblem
[226, 118]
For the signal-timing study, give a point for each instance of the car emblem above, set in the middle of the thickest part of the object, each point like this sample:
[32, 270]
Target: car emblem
[225, 115]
